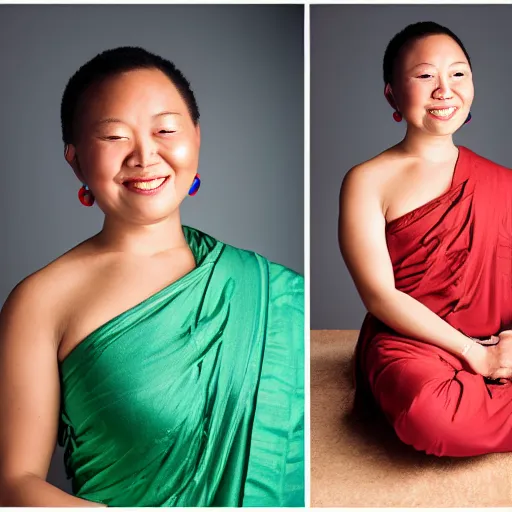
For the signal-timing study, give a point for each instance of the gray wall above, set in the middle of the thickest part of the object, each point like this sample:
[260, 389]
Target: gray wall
[352, 122]
[245, 64]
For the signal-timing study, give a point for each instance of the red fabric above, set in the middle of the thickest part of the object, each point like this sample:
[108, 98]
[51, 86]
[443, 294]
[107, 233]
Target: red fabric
[453, 254]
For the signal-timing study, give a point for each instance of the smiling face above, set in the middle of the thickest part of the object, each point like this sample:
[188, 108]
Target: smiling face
[137, 147]
[432, 85]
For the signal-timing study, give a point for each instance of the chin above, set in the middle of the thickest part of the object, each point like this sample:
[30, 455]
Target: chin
[160, 211]
[154, 217]
[443, 130]
[444, 133]
[151, 213]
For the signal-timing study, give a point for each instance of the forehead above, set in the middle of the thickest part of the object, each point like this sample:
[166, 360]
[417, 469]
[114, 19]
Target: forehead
[141, 89]
[434, 49]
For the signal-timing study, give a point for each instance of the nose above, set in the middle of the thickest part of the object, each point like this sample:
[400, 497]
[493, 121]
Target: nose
[443, 90]
[144, 153]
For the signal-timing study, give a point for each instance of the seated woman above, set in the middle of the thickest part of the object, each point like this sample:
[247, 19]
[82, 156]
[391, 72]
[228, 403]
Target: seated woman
[426, 230]
[176, 361]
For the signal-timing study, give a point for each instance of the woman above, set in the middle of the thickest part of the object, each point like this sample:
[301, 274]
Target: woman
[425, 229]
[175, 360]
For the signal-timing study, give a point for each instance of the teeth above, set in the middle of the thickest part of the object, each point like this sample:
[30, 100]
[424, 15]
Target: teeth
[445, 112]
[147, 185]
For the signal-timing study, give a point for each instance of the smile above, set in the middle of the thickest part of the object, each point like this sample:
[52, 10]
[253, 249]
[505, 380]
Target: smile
[443, 112]
[146, 186]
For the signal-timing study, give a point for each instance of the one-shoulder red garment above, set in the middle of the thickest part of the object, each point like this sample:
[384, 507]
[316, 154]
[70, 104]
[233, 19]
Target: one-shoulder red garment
[454, 255]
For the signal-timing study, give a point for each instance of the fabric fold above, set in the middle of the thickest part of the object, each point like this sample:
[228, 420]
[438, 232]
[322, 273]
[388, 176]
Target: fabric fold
[454, 255]
[166, 404]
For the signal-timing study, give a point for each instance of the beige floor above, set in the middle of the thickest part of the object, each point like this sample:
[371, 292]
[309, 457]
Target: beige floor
[361, 463]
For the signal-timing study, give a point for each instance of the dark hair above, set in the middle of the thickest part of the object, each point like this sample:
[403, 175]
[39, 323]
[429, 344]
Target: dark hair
[113, 62]
[411, 33]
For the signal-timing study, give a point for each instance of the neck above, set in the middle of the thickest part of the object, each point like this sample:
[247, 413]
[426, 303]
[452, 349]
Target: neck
[146, 240]
[430, 148]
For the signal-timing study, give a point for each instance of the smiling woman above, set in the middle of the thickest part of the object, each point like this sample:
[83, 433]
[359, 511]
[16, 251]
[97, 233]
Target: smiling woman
[169, 363]
[431, 260]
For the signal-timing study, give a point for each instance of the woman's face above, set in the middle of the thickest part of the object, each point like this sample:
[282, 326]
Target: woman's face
[433, 85]
[137, 147]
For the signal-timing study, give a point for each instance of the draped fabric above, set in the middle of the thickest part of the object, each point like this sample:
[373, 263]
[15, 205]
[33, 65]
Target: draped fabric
[194, 397]
[454, 255]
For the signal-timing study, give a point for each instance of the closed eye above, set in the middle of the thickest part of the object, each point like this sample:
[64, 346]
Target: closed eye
[167, 131]
[113, 137]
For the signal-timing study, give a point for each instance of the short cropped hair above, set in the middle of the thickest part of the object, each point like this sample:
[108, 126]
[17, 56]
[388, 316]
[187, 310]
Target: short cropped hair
[411, 33]
[113, 62]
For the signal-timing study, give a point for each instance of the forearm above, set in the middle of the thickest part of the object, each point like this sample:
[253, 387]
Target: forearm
[32, 491]
[411, 318]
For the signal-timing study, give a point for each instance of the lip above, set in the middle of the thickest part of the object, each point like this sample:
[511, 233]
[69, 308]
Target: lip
[442, 118]
[144, 192]
[146, 178]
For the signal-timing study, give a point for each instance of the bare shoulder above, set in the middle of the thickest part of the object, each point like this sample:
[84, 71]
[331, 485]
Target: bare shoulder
[43, 295]
[373, 172]
[368, 181]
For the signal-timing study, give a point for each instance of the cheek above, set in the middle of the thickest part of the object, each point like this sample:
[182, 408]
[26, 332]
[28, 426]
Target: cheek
[412, 95]
[183, 154]
[468, 92]
[101, 162]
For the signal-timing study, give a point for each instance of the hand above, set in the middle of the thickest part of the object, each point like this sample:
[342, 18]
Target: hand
[492, 358]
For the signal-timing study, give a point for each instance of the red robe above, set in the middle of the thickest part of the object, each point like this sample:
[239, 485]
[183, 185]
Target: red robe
[454, 255]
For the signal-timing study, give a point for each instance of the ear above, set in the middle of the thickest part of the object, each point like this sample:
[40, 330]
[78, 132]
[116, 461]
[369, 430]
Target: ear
[388, 93]
[72, 160]
[198, 134]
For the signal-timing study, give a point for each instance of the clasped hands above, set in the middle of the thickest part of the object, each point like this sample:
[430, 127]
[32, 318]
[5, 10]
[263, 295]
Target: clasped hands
[492, 358]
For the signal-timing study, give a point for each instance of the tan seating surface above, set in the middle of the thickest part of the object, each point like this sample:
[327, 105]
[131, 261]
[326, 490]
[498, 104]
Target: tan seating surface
[357, 462]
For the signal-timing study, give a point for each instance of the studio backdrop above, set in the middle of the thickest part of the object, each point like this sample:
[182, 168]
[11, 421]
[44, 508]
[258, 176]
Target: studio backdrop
[351, 121]
[246, 67]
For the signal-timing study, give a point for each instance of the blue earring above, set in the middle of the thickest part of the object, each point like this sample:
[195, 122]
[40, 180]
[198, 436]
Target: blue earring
[468, 118]
[195, 185]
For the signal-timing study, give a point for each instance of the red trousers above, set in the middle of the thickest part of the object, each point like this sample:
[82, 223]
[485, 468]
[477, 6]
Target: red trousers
[436, 405]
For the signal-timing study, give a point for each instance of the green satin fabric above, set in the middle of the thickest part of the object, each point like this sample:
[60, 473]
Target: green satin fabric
[194, 397]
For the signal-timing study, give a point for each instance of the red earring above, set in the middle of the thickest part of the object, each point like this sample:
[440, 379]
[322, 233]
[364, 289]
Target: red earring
[397, 116]
[85, 196]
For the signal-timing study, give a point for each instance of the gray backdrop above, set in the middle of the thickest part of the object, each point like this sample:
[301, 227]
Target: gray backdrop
[245, 64]
[352, 122]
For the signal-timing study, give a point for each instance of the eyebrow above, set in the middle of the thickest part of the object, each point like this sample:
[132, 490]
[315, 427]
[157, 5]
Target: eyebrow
[108, 120]
[429, 64]
[167, 114]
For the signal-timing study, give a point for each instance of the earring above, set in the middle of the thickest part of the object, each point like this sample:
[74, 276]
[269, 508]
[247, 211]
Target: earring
[397, 116]
[85, 196]
[195, 185]
[468, 119]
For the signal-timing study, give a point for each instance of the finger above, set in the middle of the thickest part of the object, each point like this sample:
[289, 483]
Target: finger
[505, 336]
[501, 373]
[494, 340]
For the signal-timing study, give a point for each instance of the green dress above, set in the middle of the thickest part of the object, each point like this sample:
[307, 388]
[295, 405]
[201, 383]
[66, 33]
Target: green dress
[194, 397]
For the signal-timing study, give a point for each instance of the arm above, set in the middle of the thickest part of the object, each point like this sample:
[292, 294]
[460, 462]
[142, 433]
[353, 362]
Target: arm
[29, 394]
[363, 246]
